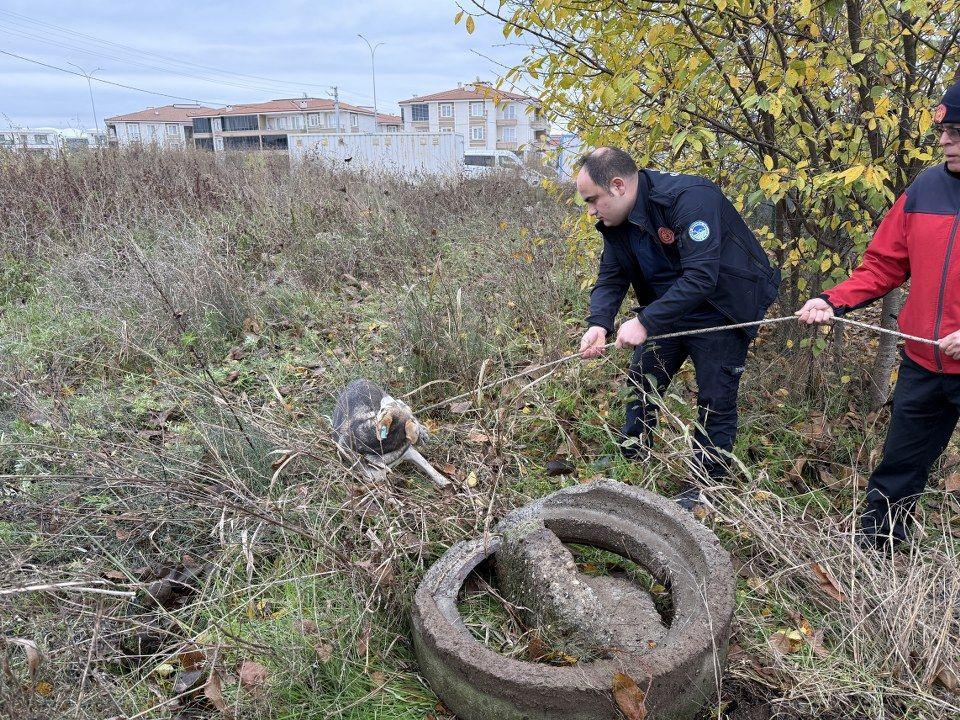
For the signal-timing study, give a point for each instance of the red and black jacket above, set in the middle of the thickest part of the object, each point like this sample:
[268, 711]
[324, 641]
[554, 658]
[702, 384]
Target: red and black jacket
[918, 239]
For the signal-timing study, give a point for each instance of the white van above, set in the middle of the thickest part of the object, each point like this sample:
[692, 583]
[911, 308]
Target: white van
[477, 163]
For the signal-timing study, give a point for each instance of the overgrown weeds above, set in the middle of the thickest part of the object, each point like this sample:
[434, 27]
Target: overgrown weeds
[175, 329]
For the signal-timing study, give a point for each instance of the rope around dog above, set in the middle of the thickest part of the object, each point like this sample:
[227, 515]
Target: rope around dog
[666, 336]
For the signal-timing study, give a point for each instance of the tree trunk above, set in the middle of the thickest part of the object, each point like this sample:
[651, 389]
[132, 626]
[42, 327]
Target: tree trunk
[886, 351]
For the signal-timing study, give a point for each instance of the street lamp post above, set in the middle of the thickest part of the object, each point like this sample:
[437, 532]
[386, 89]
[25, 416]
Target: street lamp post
[93, 105]
[373, 72]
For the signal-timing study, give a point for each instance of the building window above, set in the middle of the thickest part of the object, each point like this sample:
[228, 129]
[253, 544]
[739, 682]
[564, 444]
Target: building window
[172, 130]
[446, 129]
[41, 139]
[509, 135]
[133, 131]
[217, 125]
[240, 122]
[354, 120]
[6, 139]
[420, 112]
[446, 110]
[476, 132]
[313, 119]
[201, 125]
[476, 109]
[509, 111]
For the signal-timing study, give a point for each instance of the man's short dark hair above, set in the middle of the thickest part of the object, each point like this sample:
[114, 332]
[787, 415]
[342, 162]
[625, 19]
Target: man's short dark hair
[606, 163]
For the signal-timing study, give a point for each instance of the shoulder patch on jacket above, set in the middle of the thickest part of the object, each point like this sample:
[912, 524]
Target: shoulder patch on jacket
[698, 231]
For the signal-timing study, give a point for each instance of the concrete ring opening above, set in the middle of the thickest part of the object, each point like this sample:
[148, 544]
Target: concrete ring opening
[681, 672]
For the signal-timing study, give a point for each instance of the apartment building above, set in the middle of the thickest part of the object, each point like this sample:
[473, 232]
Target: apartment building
[166, 126]
[265, 126]
[40, 141]
[488, 118]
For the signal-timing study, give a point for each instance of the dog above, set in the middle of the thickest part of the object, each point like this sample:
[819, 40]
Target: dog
[381, 430]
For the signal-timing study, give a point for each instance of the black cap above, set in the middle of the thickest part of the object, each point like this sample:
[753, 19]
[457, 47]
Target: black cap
[948, 111]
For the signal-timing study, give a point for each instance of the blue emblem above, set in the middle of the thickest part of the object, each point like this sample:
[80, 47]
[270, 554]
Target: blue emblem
[698, 231]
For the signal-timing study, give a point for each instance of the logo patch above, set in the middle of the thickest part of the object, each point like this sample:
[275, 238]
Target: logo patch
[939, 113]
[698, 231]
[665, 235]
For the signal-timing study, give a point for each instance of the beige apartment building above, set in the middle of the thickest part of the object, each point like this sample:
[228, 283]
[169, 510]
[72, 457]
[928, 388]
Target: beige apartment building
[265, 126]
[165, 126]
[489, 119]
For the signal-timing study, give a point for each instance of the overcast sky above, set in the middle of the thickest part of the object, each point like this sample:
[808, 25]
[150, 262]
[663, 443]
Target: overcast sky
[232, 52]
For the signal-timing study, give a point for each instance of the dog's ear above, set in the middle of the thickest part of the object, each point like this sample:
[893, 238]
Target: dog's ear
[412, 430]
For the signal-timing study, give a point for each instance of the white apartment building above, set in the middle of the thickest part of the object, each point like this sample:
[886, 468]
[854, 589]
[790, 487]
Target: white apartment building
[265, 126]
[166, 126]
[488, 118]
[41, 141]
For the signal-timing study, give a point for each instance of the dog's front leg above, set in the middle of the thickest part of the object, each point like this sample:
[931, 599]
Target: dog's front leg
[412, 456]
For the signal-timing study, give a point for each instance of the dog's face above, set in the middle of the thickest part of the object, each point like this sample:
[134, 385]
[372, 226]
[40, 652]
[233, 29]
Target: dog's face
[396, 414]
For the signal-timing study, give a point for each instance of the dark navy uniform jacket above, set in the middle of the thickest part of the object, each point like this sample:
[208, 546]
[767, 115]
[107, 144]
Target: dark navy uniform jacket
[690, 257]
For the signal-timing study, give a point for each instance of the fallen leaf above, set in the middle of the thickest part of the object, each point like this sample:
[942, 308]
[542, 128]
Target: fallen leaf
[324, 652]
[472, 479]
[253, 676]
[115, 575]
[192, 659]
[187, 680]
[785, 642]
[460, 407]
[363, 642]
[949, 677]
[44, 688]
[34, 656]
[537, 649]
[827, 583]
[477, 438]
[952, 484]
[629, 698]
[815, 642]
[758, 585]
[377, 680]
[308, 627]
[213, 690]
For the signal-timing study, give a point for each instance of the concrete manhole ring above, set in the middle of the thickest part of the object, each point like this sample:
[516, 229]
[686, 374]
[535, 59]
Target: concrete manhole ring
[683, 670]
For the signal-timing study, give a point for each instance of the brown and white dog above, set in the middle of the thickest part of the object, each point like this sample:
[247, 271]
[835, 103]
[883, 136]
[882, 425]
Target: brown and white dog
[381, 430]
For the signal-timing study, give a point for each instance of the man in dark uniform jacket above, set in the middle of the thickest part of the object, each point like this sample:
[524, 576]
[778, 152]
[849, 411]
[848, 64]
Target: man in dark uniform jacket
[693, 263]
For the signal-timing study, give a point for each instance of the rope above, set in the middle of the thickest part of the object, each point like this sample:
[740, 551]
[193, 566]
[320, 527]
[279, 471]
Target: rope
[665, 336]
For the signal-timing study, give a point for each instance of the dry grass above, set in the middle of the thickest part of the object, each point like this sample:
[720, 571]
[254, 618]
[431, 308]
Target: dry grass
[174, 330]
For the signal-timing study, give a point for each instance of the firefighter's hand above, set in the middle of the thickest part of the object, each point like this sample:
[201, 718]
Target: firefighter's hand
[631, 334]
[592, 342]
[950, 345]
[816, 311]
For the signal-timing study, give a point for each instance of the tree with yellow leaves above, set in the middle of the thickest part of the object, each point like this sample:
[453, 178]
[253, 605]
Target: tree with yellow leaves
[818, 112]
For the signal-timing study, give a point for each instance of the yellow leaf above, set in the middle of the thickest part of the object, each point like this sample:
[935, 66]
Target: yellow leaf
[471, 25]
[825, 264]
[457, 18]
[472, 479]
[768, 162]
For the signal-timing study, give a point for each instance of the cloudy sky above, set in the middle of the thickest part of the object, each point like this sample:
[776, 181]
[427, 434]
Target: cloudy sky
[231, 52]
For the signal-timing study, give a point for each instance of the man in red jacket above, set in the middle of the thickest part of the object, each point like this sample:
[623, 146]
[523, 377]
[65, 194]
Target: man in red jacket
[919, 238]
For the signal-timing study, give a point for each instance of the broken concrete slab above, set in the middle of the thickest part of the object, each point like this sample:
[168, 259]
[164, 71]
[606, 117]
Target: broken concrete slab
[536, 573]
[682, 672]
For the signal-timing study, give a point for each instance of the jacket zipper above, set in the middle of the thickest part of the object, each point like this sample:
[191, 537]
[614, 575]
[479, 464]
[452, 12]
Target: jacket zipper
[943, 287]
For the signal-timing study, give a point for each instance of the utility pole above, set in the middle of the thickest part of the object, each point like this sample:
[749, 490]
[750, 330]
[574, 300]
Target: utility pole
[93, 106]
[373, 71]
[336, 107]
